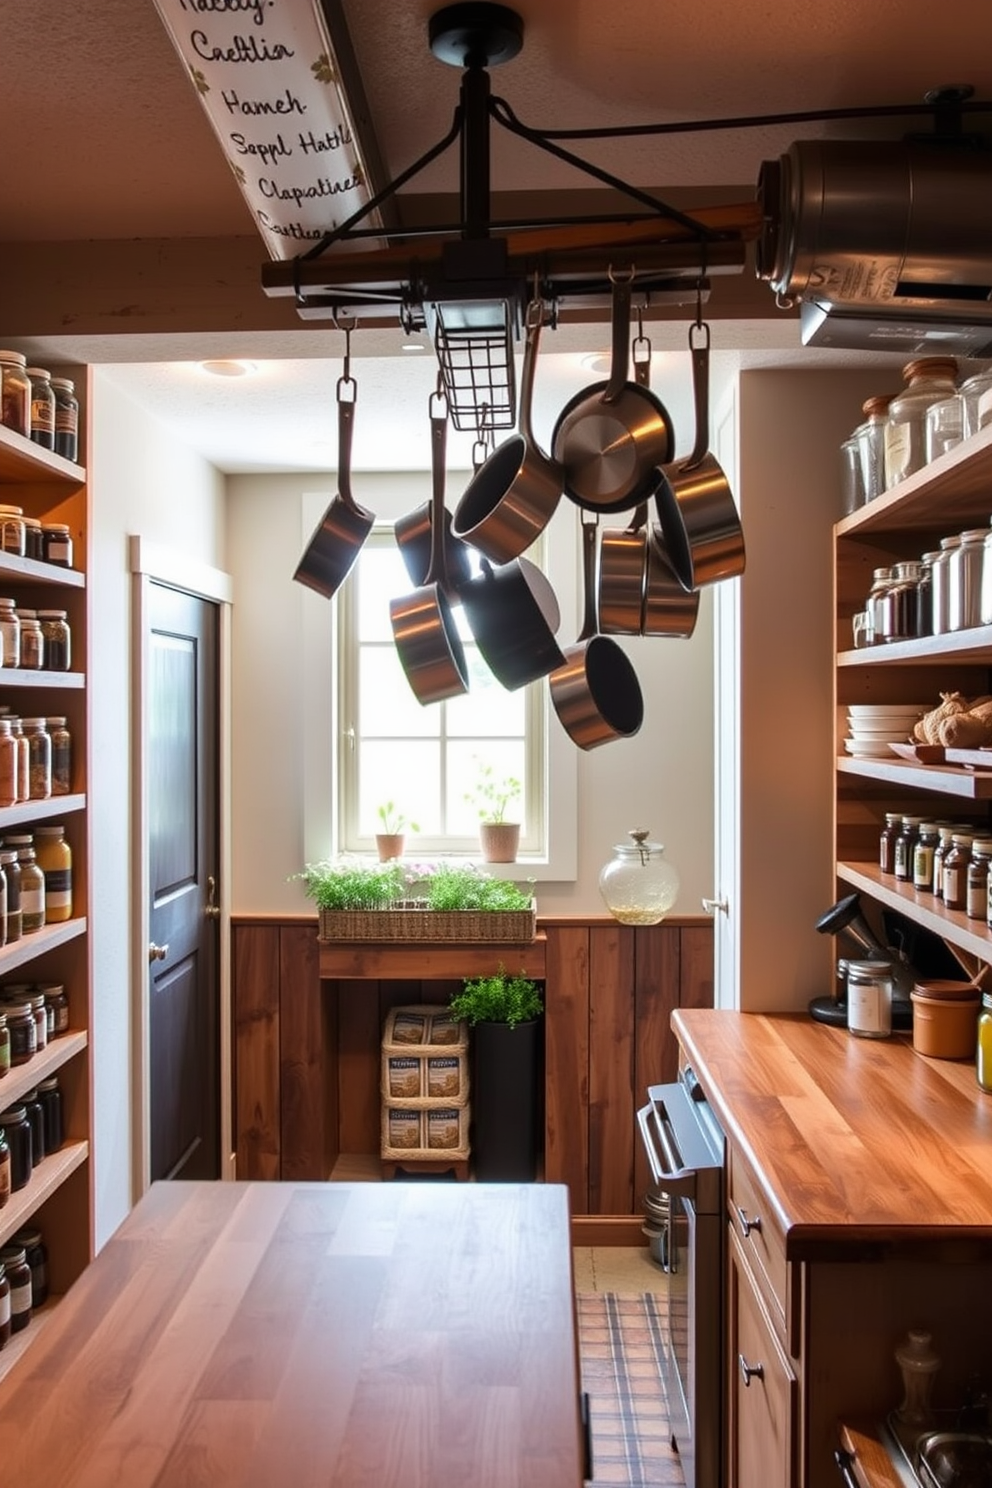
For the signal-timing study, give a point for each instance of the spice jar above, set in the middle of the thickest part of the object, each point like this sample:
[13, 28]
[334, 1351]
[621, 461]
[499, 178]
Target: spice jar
[18, 1271]
[851, 480]
[928, 380]
[945, 833]
[23, 784]
[61, 757]
[18, 1128]
[32, 892]
[955, 873]
[964, 581]
[36, 1255]
[23, 1031]
[871, 444]
[57, 641]
[905, 843]
[32, 641]
[887, 841]
[57, 1002]
[977, 889]
[5, 1325]
[42, 407]
[940, 578]
[12, 530]
[56, 544]
[898, 603]
[983, 1056]
[32, 538]
[869, 998]
[4, 1168]
[35, 1002]
[66, 419]
[39, 758]
[54, 857]
[10, 633]
[8, 764]
[15, 392]
[50, 1100]
[36, 1121]
[12, 874]
[923, 851]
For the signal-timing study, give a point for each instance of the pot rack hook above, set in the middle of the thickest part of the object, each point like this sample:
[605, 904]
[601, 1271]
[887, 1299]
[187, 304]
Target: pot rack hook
[640, 342]
[346, 323]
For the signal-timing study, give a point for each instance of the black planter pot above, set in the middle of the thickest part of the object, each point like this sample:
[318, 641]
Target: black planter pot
[506, 1068]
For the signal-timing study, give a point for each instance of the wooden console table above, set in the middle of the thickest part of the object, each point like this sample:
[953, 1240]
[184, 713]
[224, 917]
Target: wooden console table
[430, 960]
[245, 1334]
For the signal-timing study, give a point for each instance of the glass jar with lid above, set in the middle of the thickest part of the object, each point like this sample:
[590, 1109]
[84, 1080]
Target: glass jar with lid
[10, 633]
[12, 873]
[955, 871]
[15, 392]
[12, 530]
[58, 646]
[55, 861]
[944, 426]
[924, 594]
[899, 602]
[887, 841]
[941, 585]
[905, 845]
[42, 407]
[983, 1059]
[928, 380]
[638, 885]
[32, 538]
[18, 1271]
[874, 616]
[39, 758]
[852, 490]
[61, 756]
[869, 999]
[964, 580]
[66, 418]
[985, 603]
[23, 759]
[977, 889]
[972, 391]
[32, 891]
[56, 540]
[32, 641]
[923, 851]
[8, 764]
[871, 445]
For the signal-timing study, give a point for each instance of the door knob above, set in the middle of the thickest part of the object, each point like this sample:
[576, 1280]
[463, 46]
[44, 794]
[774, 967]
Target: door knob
[157, 952]
[212, 910]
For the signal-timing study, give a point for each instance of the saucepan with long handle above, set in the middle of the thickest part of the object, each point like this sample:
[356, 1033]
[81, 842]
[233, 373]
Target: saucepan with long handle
[513, 614]
[337, 540]
[513, 495]
[424, 631]
[610, 439]
[696, 510]
[596, 693]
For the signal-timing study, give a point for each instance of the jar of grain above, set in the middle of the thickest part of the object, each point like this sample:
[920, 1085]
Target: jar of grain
[15, 392]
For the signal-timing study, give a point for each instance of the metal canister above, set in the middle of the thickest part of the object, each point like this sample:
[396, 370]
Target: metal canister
[940, 578]
[964, 578]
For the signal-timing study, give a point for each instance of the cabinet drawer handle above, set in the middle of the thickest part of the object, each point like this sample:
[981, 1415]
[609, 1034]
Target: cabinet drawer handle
[750, 1371]
[747, 1225]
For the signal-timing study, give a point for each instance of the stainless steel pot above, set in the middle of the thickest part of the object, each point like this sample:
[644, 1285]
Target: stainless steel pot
[424, 631]
[513, 495]
[513, 614]
[337, 540]
[610, 438]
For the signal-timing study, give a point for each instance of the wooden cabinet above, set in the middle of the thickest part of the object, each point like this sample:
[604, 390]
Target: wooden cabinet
[761, 1389]
[951, 494]
[58, 1197]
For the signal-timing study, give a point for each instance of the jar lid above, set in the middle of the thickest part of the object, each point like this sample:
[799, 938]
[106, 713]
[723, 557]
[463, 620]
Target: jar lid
[8, 857]
[977, 382]
[17, 511]
[939, 990]
[29, 1238]
[640, 847]
[982, 846]
[16, 358]
[930, 367]
[975, 535]
[15, 1114]
[878, 405]
[56, 723]
[987, 1001]
[13, 1255]
[60, 527]
[65, 383]
[913, 821]
[51, 614]
[33, 522]
[930, 557]
[869, 968]
[34, 723]
[52, 1083]
[950, 542]
[961, 839]
[49, 831]
[40, 372]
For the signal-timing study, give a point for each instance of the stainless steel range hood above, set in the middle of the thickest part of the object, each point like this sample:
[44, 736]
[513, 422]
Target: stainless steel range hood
[887, 244]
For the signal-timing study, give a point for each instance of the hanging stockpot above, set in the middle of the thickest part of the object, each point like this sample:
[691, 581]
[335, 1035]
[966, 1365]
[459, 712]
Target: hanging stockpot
[699, 520]
[596, 693]
[513, 495]
[610, 439]
[424, 631]
[337, 541]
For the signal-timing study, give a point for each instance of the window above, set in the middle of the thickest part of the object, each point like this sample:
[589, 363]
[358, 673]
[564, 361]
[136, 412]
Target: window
[352, 743]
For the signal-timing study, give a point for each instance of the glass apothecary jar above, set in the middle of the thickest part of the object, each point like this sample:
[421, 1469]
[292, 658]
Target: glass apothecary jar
[638, 884]
[871, 445]
[972, 392]
[928, 380]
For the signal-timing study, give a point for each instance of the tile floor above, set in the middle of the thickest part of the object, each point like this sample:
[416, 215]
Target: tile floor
[626, 1270]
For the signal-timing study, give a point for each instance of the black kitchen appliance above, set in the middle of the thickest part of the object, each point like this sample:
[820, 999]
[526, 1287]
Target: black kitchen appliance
[686, 1220]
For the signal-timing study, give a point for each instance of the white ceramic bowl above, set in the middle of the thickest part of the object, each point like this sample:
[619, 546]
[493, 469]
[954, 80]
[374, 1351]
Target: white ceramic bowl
[888, 710]
[868, 748]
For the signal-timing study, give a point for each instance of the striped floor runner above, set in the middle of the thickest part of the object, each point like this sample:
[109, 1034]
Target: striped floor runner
[620, 1352]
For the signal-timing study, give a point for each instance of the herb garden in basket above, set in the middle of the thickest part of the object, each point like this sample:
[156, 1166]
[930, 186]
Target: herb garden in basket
[386, 901]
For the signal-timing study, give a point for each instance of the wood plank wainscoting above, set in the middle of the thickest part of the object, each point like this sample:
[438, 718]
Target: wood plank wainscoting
[307, 1049]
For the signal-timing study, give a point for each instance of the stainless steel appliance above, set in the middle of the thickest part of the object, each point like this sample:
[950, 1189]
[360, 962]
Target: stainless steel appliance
[954, 1456]
[685, 1216]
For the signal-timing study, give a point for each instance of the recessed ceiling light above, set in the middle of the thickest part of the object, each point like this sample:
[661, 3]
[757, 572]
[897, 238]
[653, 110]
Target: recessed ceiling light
[229, 368]
[412, 345]
[596, 361]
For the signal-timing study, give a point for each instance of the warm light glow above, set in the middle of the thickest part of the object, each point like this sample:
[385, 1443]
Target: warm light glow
[229, 368]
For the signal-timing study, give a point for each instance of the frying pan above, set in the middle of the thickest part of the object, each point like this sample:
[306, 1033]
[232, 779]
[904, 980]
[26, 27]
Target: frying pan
[337, 540]
[596, 693]
[513, 495]
[513, 614]
[699, 521]
[424, 631]
[610, 438]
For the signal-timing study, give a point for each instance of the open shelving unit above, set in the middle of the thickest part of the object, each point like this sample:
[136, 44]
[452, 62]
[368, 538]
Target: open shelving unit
[59, 1195]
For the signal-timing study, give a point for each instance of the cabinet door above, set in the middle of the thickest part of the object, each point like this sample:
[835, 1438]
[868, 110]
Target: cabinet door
[761, 1389]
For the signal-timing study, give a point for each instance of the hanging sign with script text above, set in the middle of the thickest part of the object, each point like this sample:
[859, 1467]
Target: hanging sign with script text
[265, 73]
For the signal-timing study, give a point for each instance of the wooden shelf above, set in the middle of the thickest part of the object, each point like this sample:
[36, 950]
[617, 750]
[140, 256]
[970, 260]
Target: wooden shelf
[29, 811]
[37, 942]
[429, 960]
[947, 494]
[19, 569]
[950, 924]
[46, 1178]
[948, 780]
[18, 677]
[973, 645]
[23, 460]
[22, 1077]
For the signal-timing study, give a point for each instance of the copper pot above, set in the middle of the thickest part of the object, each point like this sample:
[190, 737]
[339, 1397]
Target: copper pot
[337, 540]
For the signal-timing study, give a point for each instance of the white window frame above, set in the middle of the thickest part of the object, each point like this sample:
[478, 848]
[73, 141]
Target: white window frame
[390, 496]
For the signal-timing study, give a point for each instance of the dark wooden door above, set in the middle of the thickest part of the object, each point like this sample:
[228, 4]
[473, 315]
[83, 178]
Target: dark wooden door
[181, 740]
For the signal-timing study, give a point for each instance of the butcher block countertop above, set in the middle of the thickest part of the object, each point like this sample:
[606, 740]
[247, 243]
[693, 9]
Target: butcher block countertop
[849, 1138]
[241, 1335]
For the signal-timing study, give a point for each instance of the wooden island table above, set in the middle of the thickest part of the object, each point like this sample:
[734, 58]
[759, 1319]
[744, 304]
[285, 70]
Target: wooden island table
[405, 1335]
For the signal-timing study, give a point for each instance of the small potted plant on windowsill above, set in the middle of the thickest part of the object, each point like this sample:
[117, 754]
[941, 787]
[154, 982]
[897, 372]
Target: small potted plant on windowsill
[503, 1012]
[390, 841]
[492, 796]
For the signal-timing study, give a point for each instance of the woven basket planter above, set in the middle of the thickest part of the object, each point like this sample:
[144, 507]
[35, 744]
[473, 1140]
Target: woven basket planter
[510, 926]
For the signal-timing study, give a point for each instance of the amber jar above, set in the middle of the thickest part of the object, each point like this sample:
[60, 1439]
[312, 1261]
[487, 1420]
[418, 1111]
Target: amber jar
[61, 757]
[54, 857]
[15, 1263]
[66, 418]
[12, 872]
[4, 1045]
[56, 1000]
[955, 875]
[56, 544]
[50, 1100]
[5, 1327]
[23, 1032]
[18, 1128]
[905, 844]
[977, 891]
[32, 538]
[923, 851]
[8, 764]
[36, 1255]
[887, 842]
[36, 1121]
[4, 1168]
[42, 407]
[15, 392]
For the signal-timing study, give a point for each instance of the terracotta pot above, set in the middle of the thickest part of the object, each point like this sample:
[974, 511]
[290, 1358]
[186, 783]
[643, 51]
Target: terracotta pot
[389, 845]
[945, 1027]
[499, 841]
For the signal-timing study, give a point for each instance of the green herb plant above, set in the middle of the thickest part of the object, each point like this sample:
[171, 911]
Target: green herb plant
[499, 998]
[393, 821]
[492, 794]
[351, 885]
[462, 886]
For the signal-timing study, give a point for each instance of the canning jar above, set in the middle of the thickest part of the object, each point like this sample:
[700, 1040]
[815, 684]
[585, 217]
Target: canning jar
[874, 617]
[15, 392]
[18, 1272]
[869, 999]
[899, 602]
[32, 641]
[39, 758]
[977, 890]
[954, 891]
[55, 860]
[57, 1002]
[61, 757]
[23, 1032]
[58, 649]
[42, 407]
[638, 885]
[12, 530]
[34, 1001]
[871, 445]
[36, 1255]
[66, 418]
[12, 873]
[36, 1121]
[983, 1060]
[32, 891]
[852, 490]
[56, 541]
[971, 393]
[10, 633]
[32, 538]
[18, 1128]
[940, 579]
[944, 426]
[928, 380]
[23, 758]
[8, 764]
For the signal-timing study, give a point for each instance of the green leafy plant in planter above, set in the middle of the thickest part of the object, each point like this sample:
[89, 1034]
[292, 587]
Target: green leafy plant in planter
[503, 1012]
[393, 821]
[352, 885]
[500, 998]
[491, 795]
[450, 886]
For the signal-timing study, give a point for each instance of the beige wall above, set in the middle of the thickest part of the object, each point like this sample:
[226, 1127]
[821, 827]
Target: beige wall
[142, 482]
